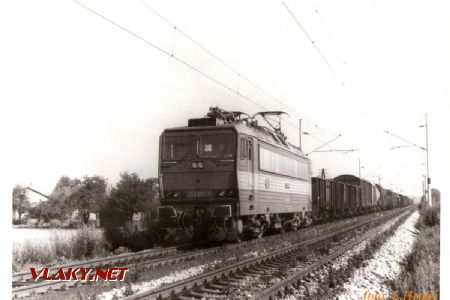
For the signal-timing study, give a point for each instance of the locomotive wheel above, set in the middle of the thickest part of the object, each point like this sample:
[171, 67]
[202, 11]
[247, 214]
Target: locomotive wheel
[237, 228]
[240, 226]
[262, 231]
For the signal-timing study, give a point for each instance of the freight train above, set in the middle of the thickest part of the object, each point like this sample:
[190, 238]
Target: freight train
[225, 177]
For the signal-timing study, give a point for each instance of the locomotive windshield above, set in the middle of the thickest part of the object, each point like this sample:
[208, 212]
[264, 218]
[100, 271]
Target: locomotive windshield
[205, 145]
[217, 145]
[179, 147]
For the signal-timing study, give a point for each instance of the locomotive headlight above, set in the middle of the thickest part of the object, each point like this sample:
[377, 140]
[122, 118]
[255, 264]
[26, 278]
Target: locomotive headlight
[230, 193]
[200, 165]
[194, 164]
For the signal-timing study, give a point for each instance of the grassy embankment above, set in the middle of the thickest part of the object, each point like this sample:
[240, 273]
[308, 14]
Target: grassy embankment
[421, 266]
[85, 243]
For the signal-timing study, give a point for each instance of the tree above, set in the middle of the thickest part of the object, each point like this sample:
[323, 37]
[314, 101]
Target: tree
[132, 194]
[55, 207]
[89, 196]
[435, 195]
[21, 201]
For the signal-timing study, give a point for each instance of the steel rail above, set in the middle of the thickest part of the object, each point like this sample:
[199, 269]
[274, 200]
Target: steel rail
[103, 261]
[172, 290]
[43, 287]
[154, 260]
[278, 289]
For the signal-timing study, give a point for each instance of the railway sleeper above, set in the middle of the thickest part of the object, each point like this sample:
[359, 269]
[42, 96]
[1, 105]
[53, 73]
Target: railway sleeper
[208, 294]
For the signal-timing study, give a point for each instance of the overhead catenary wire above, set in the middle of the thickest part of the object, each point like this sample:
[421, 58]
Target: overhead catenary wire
[317, 49]
[178, 59]
[229, 67]
[169, 54]
[314, 44]
[329, 65]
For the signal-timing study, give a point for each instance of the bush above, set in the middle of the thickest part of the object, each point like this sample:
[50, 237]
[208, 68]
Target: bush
[86, 244]
[431, 216]
[125, 237]
[55, 223]
[421, 266]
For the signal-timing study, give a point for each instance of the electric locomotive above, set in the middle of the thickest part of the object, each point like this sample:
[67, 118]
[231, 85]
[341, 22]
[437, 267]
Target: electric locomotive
[224, 177]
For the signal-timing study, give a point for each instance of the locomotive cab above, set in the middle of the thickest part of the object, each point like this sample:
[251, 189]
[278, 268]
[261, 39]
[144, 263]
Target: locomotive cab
[224, 177]
[197, 175]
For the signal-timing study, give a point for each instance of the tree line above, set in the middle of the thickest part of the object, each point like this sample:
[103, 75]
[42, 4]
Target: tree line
[90, 194]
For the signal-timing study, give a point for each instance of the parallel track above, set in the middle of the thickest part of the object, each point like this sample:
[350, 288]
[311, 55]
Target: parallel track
[104, 261]
[278, 290]
[153, 258]
[145, 259]
[213, 284]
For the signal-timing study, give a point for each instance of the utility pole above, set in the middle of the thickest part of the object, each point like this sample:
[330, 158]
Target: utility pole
[359, 167]
[300, 133]
[428, 165]
[424, 188]
[427, 171]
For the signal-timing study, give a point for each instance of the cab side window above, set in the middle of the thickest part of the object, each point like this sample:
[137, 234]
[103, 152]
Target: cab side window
[243, 147]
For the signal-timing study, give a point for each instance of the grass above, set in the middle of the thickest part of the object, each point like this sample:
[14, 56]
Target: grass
[228, 255]
[85, 243]
[421, 266]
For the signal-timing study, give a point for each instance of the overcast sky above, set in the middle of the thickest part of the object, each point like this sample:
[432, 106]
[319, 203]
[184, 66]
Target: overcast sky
[84, 97]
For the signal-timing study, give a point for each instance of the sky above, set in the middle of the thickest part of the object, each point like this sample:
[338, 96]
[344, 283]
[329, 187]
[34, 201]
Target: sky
[85, 97]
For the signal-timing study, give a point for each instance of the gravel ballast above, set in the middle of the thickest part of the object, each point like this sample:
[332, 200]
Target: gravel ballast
[385, 264]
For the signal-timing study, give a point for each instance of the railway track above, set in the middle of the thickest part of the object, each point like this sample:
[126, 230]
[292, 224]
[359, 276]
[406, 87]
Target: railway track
[281, 288]
[25, 276]
[23, 286]
[146, 260]
[218, 283]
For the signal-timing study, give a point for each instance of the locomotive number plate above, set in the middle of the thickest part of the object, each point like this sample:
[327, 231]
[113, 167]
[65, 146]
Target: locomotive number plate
[198, 194]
